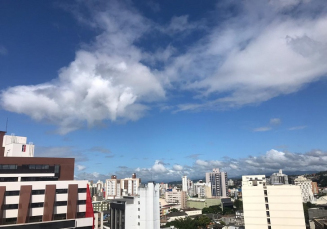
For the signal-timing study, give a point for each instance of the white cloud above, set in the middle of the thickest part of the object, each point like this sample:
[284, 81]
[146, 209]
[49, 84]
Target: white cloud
[262, 52]
[250, 59]
[80, 167]
[158, 167]
[275, 121]
[262, 129]
[201, 162]
[178, 167]
[106, 81]
[272, 124]
[269, 162]
[297, 128]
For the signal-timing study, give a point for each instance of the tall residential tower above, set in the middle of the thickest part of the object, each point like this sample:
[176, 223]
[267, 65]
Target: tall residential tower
[218, 182]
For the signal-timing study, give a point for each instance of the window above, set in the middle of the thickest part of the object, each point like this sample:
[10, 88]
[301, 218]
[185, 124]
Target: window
[82, 190]
[268, 221]
[267, 207]
[138, 216]
[8, 166]
[138, 209]
[38, 192]
[10, 206]
[12, 193]
[268, 214]
[59, 216]
[36, 205]
[60, 203]
[80, 215]
[81, 202]
[56, 169]
[35, 219]
[265, 192]
[10, 221]
[61, 191]
[139, 202]
[139, 223]
[266, 199]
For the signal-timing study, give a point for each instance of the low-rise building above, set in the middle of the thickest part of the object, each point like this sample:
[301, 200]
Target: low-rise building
[200, 203]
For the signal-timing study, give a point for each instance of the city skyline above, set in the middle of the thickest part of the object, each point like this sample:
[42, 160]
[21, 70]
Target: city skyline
[166, 89]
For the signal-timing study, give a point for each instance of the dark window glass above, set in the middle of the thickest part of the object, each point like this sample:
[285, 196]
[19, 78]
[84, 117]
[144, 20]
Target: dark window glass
[61, 191]
[60, 203]
[81, 202]
[56, 169]
[38, 192]
[10, 221]
[31, 166]
[82, 190]
[36, 205]
[35, 219]
[59, 216]
[8, 179]
[80, 215]
[10, 206]
[38, 166]
[12, 193]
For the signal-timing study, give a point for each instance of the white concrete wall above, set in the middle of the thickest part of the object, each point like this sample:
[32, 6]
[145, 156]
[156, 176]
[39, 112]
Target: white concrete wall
[285, 207]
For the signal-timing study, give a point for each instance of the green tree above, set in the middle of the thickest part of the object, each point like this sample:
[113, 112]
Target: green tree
[238, 204]
[189, 223]
[173, 210]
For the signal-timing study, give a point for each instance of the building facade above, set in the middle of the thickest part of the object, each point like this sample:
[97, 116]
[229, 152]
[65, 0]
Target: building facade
[315, 189]
[306, 188]
[271, 206]
[137, 212]
[116, 188]
[41, 192]
[278, 178]
[218, 182]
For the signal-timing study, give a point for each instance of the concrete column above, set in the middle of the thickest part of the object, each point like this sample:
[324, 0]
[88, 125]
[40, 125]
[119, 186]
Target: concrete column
[101, 220]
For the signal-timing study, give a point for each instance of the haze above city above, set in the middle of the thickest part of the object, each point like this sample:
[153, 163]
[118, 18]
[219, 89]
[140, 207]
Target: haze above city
[167, 88]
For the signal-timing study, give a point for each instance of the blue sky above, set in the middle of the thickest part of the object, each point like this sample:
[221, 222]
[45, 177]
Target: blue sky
[167, 88]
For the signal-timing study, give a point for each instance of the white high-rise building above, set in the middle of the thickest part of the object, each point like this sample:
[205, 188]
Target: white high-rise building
[184, 184]
[271, 206]
[218, 182]
[279, 178]
[137, 212]
[306, 188]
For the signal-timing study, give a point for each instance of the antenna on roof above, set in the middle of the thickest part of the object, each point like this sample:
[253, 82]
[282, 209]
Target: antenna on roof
[7, 124]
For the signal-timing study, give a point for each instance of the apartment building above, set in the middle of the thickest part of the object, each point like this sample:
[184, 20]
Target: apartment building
[203, 190]
[173, 195]
[218, 182]
[40, 192]
[279, 178]
[306, 188]
[315, 189]
[137, 212]
[271, 206]
[116, 188]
